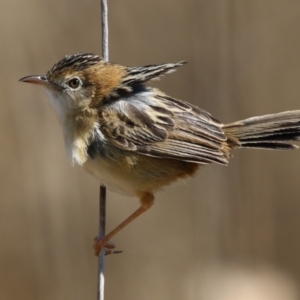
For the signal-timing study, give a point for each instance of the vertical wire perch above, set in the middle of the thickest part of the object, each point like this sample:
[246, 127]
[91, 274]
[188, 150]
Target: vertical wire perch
[101, 258]
[102, 198]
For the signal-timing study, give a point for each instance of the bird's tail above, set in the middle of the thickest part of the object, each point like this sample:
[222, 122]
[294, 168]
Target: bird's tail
[273, 131]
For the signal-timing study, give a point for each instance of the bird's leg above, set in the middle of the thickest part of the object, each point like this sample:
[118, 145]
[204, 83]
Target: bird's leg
[146, 200]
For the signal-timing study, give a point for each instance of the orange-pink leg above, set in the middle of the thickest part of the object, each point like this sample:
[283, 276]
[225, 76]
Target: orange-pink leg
[146, 200]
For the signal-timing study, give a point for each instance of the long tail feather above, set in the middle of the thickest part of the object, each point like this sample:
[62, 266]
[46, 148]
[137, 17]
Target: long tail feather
[265, 132]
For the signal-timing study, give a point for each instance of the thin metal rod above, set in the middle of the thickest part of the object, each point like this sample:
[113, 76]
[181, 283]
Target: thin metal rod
[101, 258]
[102, 200]
[104, 29]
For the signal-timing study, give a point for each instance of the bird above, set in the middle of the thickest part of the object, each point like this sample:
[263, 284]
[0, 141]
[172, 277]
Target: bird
[135, 139]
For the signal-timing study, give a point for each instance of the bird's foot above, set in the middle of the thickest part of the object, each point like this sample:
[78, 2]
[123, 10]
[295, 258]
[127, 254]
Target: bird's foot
[103, 243]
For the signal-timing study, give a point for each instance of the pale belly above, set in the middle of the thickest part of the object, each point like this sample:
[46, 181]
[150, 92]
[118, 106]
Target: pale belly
[110, 175]
[134, 173]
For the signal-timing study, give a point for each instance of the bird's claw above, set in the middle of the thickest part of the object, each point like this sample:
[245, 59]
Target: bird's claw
[108, 246]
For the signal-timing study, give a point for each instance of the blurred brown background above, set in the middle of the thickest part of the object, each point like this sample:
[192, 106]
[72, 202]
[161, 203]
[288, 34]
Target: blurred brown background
[230, 233]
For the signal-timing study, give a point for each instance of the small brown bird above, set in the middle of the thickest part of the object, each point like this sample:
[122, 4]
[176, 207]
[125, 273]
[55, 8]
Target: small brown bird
[135, 139]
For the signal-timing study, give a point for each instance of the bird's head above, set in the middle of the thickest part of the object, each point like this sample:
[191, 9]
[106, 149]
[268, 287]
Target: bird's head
[85, 81]
[79, 81]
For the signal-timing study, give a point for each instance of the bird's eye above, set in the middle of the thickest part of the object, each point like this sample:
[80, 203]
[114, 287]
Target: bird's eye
[74, 83]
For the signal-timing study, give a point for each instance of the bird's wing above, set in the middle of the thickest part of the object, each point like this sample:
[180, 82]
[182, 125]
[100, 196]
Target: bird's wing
[135, 77]
[143, 74]
[154, 124]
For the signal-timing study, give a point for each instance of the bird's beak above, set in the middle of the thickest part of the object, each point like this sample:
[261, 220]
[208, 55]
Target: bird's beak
[36, 79]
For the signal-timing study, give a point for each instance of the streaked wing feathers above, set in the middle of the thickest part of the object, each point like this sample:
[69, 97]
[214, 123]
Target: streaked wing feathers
[163, 127]
[145, 73]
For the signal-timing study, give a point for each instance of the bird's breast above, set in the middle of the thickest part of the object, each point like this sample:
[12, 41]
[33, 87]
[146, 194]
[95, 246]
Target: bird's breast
[130, 173]
[112, 167]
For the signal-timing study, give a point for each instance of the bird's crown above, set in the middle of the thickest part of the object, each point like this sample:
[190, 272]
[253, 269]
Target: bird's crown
[76, 62]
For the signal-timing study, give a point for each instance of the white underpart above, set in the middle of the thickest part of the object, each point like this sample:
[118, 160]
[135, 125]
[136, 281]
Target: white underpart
[75, 144]
[58, 102]
[76, 148]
